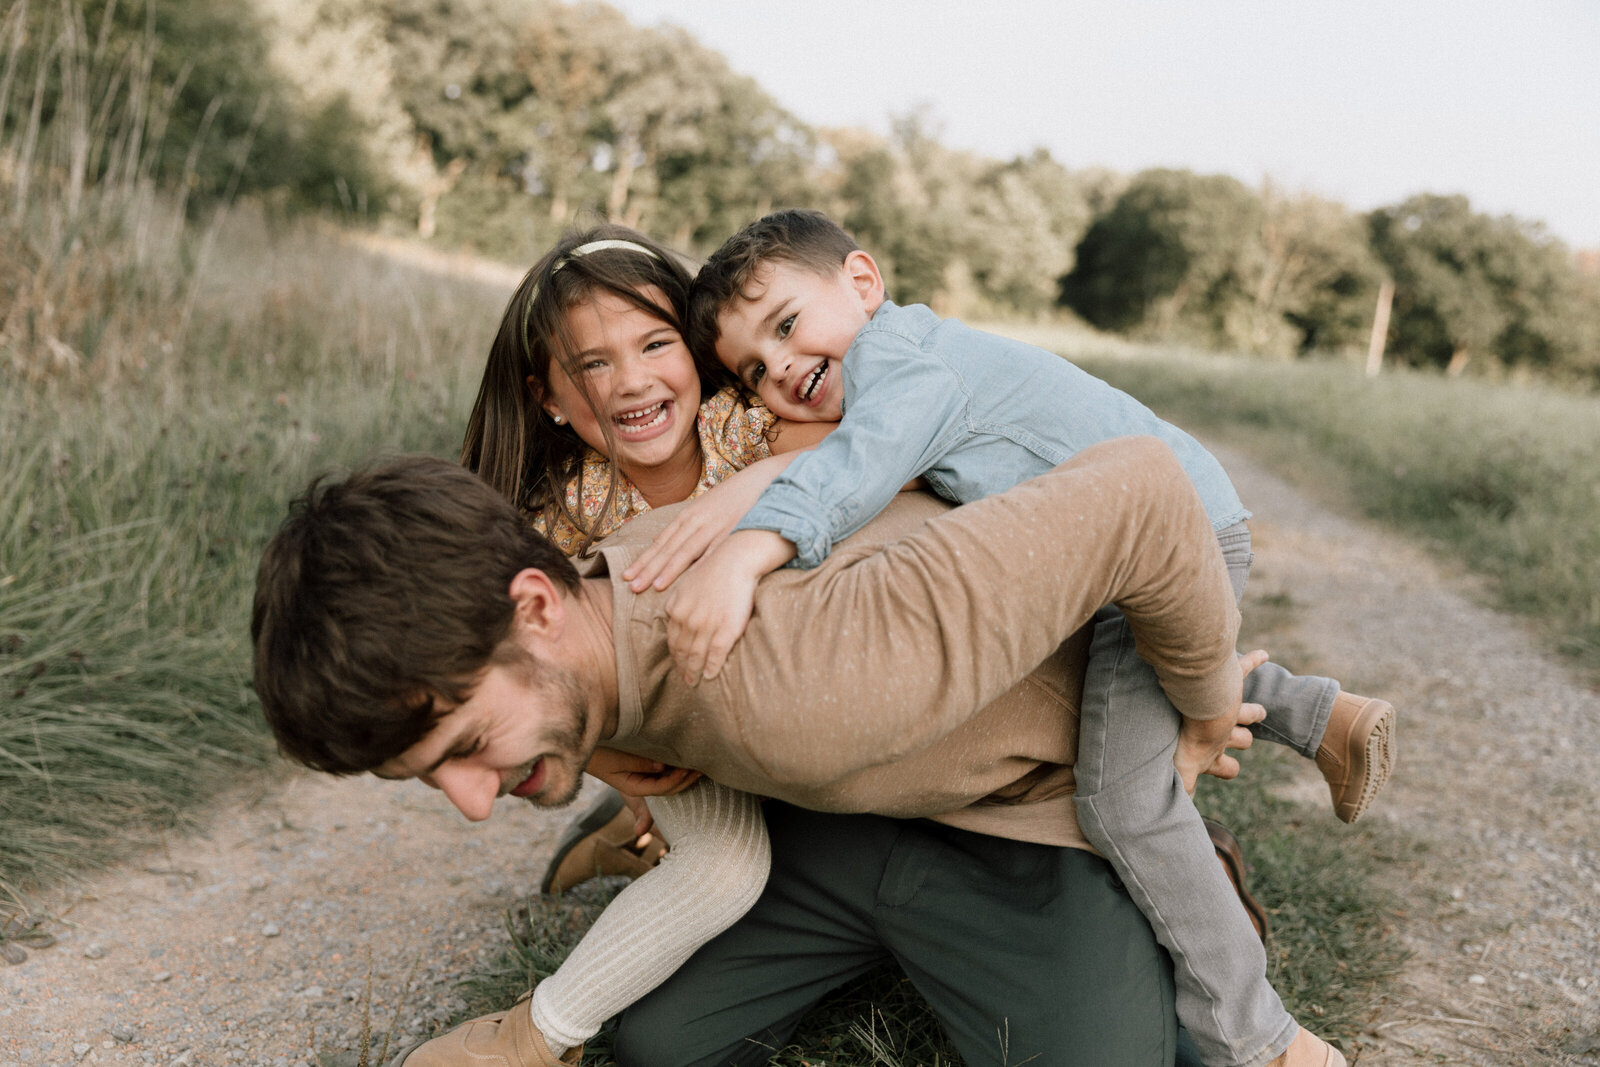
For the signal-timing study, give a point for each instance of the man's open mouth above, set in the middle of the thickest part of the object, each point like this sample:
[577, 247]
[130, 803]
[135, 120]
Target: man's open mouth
[641, 419]
[532, 783]
[813, 382]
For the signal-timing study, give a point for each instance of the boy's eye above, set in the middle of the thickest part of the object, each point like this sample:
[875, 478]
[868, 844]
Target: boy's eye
[786, 327]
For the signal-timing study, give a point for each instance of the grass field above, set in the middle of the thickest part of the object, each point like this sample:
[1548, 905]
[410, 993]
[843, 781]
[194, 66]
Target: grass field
[138, 490]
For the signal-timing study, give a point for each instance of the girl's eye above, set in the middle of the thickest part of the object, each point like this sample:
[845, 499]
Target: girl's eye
[786, 327]
[590, 365]
[755, 374]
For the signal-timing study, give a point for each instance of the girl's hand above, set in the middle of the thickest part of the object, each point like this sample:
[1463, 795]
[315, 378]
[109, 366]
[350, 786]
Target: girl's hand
[709, 608]
[701, 525]
[635, 776]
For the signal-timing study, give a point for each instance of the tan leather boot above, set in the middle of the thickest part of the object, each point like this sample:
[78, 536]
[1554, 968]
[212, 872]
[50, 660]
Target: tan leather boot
[1357, 752]
[503, 1039]
[600, 843]
[1309, 1050]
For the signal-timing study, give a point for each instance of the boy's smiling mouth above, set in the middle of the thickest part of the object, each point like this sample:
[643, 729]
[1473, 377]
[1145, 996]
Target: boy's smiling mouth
[811, 385]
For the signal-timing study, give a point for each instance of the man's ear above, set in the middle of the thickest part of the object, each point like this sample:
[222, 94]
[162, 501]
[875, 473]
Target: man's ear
[865, 278]
[540, 610]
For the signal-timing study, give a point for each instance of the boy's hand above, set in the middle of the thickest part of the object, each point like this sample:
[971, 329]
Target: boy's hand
[710, 606]
[1202, 745]
[702, 523]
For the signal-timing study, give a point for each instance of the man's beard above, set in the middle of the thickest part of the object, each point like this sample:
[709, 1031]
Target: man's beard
[566, 740]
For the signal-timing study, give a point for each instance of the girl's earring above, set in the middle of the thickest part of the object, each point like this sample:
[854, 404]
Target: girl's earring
[558, 420]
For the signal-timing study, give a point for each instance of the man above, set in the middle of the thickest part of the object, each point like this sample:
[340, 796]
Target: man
[407, 623]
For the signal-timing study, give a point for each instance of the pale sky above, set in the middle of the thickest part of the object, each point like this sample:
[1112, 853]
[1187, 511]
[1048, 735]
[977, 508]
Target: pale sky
[1360, 101]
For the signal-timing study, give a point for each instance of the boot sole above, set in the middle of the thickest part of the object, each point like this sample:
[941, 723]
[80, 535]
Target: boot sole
[1371, 762]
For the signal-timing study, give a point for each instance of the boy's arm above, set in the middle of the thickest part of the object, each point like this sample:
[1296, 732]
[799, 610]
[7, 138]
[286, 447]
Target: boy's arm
[903, 413]
[703, 522]
[709, 607]
[716, 869]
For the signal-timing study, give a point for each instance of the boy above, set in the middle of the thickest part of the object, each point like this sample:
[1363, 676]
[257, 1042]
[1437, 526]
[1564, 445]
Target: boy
[798, 313]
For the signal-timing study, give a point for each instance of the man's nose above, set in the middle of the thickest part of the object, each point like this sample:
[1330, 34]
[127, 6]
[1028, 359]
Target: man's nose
[472, 790]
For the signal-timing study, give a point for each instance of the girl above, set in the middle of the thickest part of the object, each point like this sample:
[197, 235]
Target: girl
[592, 410]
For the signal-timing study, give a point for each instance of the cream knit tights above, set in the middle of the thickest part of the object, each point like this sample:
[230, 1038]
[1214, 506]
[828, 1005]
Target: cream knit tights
[713, 874]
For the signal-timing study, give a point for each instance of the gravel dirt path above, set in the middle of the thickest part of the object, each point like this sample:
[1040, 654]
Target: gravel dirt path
[252, 943]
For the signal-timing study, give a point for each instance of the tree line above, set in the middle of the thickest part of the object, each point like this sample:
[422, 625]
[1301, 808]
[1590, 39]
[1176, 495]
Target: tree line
[495, 124]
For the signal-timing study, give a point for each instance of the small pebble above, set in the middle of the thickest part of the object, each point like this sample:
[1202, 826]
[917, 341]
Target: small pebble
[94, 951]
[161, 976]
[1477, 979]
[81, 1049]
[270, 930]
[123, 1033]
[258, 883]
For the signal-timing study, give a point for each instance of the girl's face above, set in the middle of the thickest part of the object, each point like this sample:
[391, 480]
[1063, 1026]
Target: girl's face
[639, 375]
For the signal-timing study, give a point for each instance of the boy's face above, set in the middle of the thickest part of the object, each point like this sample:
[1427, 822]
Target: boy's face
[787, 342]
[520, 733]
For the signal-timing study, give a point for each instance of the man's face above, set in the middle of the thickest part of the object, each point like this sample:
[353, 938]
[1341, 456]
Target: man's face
[787, 343]
[525, 731]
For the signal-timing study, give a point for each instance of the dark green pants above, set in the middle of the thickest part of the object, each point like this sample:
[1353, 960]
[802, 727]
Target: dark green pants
[1029, 954]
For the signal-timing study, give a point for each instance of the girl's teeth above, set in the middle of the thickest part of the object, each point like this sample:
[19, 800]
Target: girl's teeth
[655, 420]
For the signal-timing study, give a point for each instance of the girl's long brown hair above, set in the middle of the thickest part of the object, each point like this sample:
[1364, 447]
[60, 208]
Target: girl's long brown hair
[510, 441]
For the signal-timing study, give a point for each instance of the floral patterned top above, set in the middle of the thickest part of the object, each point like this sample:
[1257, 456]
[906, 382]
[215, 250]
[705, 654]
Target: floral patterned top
[732, 436]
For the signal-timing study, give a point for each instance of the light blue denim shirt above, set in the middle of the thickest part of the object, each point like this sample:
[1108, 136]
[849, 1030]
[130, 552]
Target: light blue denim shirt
[971, 412]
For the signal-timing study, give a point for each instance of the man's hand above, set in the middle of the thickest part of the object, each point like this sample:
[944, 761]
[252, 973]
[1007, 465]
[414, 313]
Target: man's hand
[710, 606]
[1202, 745]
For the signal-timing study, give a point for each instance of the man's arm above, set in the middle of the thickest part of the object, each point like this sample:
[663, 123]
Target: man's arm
[880, 654]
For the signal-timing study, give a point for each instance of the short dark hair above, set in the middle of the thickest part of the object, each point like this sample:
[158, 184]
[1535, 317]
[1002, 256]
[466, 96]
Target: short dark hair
[807, 239]
[379, 594]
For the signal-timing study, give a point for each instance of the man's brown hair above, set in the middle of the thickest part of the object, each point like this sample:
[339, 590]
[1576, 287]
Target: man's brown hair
[807, 239]
[379, 594]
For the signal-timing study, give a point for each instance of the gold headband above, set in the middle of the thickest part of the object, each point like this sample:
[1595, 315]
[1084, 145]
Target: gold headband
[581, 250]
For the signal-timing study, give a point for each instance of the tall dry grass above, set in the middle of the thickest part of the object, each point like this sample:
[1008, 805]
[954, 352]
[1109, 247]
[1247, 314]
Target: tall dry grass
[167, 380]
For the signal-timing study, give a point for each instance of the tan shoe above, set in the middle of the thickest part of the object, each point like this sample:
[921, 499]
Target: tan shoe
[1231, 854]
[1309, 1050]
[1357, 752]
[599, 844]
[504, 1039]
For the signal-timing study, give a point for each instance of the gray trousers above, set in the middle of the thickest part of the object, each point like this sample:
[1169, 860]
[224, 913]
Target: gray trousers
[1132, 807]
[1028, 953]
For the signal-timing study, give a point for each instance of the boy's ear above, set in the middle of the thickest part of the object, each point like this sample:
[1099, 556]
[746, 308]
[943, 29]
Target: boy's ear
[865, 278]
[540, 612]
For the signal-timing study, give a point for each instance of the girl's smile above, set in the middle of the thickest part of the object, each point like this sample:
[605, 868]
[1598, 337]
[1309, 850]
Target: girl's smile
[636, 372]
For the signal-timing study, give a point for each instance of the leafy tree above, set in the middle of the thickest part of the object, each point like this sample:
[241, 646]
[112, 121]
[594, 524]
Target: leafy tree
[1468, 286]
[1315, 281]
[1169, 259]
[180, 92]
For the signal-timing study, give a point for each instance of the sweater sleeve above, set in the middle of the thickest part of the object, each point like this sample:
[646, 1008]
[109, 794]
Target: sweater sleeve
[908, 641]
[714, 873]
[903, 408]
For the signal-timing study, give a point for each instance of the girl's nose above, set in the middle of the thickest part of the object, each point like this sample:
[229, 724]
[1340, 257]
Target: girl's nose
[632, 374]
